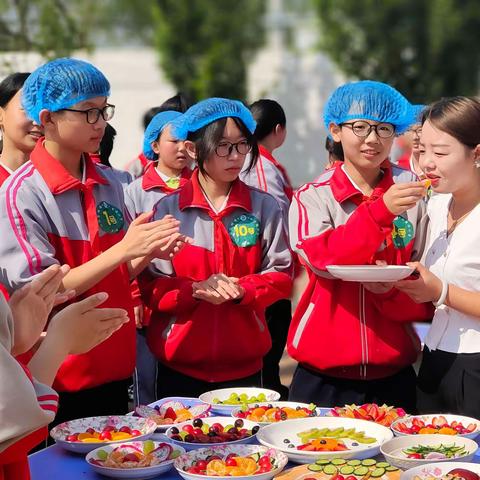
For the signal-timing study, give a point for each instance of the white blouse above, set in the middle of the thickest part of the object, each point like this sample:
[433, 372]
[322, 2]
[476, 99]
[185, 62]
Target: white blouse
[455, 259]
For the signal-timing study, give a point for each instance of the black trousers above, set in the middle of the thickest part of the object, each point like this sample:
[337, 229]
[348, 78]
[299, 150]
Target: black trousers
[171, 383]
[449, 382]
[278, 316]
[397, 390]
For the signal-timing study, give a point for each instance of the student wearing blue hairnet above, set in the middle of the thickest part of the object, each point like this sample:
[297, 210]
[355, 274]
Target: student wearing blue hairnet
[411, 160]
[354, 341]
[208, 326]
[63, 208]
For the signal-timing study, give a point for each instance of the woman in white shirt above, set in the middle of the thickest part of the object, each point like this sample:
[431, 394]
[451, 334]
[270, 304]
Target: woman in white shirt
[449, 377]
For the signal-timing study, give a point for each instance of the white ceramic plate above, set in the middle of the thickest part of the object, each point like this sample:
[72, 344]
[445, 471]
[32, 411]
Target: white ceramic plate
[133, 473]
[436, 470]
[293, 405]
[61, 431]
[393, 449]
[186, 460]
[275, 434]
[370, 273]
[224, 393]
[210, 421]
[427, 419]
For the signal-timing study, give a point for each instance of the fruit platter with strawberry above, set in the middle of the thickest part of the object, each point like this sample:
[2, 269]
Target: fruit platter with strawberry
[266, 413]
[331, 440]
[214, 430]
[381, 414]
[437, 424]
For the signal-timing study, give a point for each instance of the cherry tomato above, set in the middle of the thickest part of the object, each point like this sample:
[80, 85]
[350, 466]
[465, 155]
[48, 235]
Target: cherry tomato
[105, 436]
[231, 462]
[125, 429]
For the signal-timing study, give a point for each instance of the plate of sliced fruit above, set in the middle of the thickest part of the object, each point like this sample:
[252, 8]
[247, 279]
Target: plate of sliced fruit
[342, 469]
[382, 414]
[86, 434]
[167, 413]
[443, 471]
[134, 459]
[243, 462]
[266, 413]
[437, 424]
[308, 439]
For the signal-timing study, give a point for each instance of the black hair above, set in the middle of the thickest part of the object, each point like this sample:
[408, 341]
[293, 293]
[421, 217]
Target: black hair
[10, 86]
[106, 145]
[177, 103]
[207, 138]
[334, 149]
[268, 114]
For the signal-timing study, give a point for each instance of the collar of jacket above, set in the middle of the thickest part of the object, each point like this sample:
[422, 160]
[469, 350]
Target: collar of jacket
[151, 179]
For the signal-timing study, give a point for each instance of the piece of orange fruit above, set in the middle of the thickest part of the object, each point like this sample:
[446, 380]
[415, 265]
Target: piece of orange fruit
[217, 467]
[247, 464]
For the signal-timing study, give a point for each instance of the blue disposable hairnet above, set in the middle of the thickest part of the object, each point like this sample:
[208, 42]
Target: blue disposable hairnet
[417, 112]
[155, 128]
[208, 111]
[369, 100]
[62, 83]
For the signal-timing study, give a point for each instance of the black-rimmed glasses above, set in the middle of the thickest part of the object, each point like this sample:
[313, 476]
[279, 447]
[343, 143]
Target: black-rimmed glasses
[224, 149]
[362, 129]
[93, 114]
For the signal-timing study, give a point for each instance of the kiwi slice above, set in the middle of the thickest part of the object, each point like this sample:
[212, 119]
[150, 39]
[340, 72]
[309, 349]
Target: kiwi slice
[347, 470]
[338, 461]
[315, 468]
[369, 462]
[361, 471]
[354, 463]
[330, 470]
[377, 472]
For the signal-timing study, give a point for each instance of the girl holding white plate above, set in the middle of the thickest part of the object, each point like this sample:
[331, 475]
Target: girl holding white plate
[449, 377]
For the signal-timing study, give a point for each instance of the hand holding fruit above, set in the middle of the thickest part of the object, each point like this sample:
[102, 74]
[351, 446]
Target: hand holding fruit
[217, 289]
[400, 197]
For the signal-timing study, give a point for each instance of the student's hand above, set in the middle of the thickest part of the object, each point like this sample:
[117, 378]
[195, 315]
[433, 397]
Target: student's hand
[138, 312]
[427, 288]
[31, 305]
[172, 246]
[400, 197]
[82, 326]
[144, 237]
[217, 289]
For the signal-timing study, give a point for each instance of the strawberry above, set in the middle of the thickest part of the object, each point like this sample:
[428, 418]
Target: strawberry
[170, 413]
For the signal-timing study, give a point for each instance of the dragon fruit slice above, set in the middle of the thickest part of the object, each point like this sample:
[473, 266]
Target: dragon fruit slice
[163, 452]
[200, 411]
[173, 405]
[125, 449]
[145, 411]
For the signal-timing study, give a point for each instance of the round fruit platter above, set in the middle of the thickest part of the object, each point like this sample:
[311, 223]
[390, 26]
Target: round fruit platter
[241, 461]
[86, 434]
[437, 424]
[225, 400]
[134, 460]
[443, 471]
[341, 469]
[266, 413]
[413, 450]
[308, 439]
[382, 414]
[212, 431]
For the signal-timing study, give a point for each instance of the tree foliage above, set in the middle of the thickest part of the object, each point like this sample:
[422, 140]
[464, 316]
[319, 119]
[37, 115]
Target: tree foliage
[425, 48]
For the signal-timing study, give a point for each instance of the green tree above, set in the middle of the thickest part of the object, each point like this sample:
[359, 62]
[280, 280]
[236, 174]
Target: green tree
[425, 48]
[205, 46]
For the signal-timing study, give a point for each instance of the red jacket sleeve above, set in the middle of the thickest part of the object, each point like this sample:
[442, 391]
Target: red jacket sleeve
[265, 289]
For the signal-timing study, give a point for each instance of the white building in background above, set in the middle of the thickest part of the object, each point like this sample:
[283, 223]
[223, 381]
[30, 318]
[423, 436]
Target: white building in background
[299, 78]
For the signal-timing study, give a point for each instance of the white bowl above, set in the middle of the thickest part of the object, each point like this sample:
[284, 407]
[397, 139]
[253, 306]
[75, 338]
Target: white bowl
[144, 472]
[224, 393]
[61, 431]
[437, 470]
[293, 405]
[210, 421]
[392, 450]
[428, 419]
[273, 436]
[241, 450]
[370, 273]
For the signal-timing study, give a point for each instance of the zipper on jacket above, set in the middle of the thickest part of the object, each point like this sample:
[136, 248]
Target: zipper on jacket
[363, 334]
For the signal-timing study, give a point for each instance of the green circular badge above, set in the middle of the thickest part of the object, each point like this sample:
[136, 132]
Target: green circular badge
[402, 232]
[244, 230]
[110, 218]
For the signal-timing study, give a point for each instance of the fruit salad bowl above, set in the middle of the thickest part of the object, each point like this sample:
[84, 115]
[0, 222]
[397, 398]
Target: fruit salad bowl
[219, 431]
[455, 425]
[134, 460]
[443, 471]
[267, 413]
[86, 434]
[383, 414]
[251, 462]
[225, 400]
[308, 439]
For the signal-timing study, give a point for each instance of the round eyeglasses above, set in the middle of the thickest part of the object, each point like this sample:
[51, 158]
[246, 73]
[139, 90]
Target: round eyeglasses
[362, 129]
[224, 149]
[93, 114]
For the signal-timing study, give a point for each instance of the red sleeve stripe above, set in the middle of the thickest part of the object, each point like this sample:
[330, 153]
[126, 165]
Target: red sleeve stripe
[48, 398]
[50, 408]
[302, 214]
[261, 175]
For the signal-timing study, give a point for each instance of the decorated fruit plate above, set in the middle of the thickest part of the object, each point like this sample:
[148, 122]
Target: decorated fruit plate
[443, 471]
[308, 439]
[382, 414]
[225, 400]
[86, 434]
[134, 459]
[244, 462]
[370, 273]
[266, 413]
